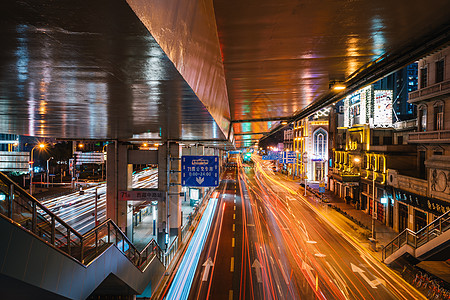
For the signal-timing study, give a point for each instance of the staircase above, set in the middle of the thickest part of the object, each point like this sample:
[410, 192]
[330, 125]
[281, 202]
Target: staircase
[429, 243]
[40, 252]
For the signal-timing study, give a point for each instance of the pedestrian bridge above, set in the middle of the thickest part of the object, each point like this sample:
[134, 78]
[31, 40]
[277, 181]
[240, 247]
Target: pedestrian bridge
[429, 243]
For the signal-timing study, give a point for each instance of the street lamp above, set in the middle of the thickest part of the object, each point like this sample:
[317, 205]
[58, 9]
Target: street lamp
[103, 165]
[41, 146]
[305, 160]
[48, 171]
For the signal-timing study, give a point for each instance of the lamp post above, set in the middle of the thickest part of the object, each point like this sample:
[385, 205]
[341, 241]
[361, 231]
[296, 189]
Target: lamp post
[305, 159]
[41, 146]
[103, 165]
[373, 207]
[48, 171]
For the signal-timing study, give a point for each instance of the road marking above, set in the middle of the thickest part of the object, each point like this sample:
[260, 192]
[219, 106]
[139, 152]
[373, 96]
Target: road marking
[283, 273]
[235, 207]
[373, 283]
[257, 266]
[230, 295]
[234, 227]
[232, 242]
[234, 216]
[232, 265]
[339, 281]
[208, 264]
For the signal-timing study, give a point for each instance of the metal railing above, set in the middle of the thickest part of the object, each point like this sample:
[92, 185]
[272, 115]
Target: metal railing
[25, 211]
[419, 238]
[436, 136]
[438, 89]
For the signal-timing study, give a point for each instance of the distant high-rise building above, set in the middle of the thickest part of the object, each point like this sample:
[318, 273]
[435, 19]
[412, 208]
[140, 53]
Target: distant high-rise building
[406, 81]
[401, 83]
[9, 142]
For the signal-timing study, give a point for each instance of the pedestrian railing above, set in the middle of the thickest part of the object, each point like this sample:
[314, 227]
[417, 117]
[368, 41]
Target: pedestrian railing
[22, 209]
[419, 238]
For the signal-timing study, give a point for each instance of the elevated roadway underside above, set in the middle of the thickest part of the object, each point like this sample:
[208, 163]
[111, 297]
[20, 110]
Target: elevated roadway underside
[199, 69]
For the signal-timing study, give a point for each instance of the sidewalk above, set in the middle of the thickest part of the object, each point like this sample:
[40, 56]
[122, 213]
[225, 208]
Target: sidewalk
[143, 232]
[384, 234]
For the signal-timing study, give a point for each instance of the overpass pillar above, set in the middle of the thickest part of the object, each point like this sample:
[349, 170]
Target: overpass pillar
[118, 178]
[169, 181]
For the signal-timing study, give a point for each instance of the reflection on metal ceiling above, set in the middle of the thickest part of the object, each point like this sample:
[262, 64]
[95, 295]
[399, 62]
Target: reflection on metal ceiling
[279, 56]
[90, 69]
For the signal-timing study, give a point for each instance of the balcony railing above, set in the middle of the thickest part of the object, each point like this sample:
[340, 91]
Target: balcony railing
[429, 136]
[405, 124]
[430, 91]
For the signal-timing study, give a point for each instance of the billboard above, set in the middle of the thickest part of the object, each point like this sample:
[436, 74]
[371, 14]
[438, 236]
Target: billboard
[89, 157]
[14, 161]
[382, 116]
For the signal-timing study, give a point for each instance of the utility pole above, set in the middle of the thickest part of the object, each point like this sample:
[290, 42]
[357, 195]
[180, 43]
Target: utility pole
[373, 206]
[48, 173]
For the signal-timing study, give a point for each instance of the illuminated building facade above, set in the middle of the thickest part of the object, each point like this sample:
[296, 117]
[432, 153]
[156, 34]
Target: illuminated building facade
[421, 198]
[361, 159]
[9, 142]
[310, 141]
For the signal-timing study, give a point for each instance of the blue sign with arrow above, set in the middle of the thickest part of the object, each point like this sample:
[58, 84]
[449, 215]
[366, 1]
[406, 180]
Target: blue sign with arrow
[199, 171]
[289, 157]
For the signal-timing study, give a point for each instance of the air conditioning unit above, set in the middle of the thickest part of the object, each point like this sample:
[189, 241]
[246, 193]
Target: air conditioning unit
[392, 177]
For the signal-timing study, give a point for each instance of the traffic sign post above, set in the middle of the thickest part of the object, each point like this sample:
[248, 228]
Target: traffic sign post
[199, 171]
[322, 187]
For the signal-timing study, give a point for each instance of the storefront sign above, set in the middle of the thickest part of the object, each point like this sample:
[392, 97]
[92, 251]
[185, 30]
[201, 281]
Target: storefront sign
[142, 195]
[435, 206]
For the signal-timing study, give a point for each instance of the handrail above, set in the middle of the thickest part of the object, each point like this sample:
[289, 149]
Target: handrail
[42, 223]
[419, 238]
[3, 177]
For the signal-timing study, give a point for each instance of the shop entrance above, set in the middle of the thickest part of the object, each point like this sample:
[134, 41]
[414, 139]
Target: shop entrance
[390, 212]
[420, 220]
[402, 217]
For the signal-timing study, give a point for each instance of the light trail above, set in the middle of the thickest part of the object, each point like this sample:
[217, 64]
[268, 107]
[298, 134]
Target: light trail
[78, 210]
[181, 284]
[334, 268]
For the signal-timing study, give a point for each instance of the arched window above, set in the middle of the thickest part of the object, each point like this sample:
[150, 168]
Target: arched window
[320, 143]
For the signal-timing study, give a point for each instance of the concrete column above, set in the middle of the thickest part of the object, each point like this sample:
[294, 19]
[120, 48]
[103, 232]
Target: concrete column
[169, 180]
[118, 178]
[162, 186]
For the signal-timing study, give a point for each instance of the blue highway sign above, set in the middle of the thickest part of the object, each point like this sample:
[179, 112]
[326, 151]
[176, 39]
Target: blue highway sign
[289, 157]
[199, 171]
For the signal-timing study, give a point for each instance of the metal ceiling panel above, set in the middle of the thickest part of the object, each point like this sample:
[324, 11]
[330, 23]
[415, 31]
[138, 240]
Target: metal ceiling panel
[186, 31]
[280, 56]
[90, 69]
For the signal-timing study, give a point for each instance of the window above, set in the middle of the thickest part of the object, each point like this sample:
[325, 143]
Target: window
[423, 118]
[387, 140]
[320, 143]
[439, 116]
[440, 71]
[423, 77]
[376, 140]
[400, 140]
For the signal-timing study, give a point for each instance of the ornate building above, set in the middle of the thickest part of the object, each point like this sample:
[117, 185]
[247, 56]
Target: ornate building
[422, 198]
[310, 141]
